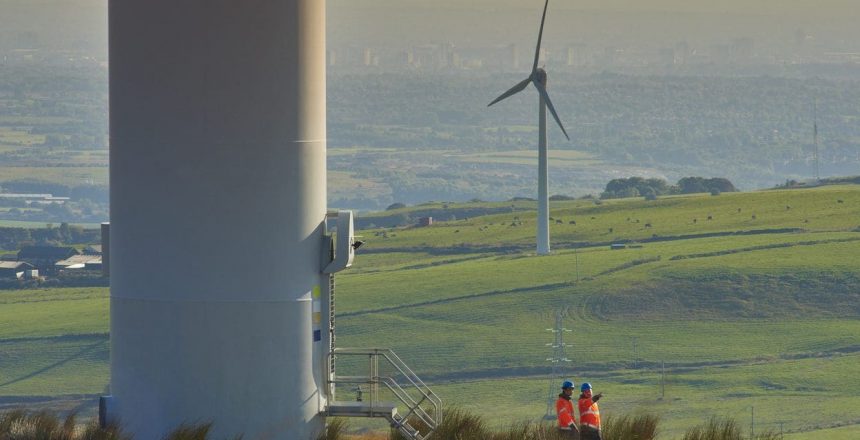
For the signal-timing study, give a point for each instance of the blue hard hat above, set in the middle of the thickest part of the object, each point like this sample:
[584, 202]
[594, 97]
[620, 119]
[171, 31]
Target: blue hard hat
[585, 386]
[567, 384]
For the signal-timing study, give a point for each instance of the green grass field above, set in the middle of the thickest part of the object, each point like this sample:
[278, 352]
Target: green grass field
[768, 319]
[54, 342]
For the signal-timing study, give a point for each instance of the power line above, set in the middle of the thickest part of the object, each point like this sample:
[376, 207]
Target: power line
[662, 380]
[635, 352]
[752, 421]
[815, 140]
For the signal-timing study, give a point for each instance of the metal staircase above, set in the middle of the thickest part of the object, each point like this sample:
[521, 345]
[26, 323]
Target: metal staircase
[422, 408]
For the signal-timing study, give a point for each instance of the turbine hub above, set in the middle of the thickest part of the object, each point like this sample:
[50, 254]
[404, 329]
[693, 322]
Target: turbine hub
[540, 76]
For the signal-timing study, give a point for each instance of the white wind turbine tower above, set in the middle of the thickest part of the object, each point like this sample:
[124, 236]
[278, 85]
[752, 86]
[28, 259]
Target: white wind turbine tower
[538, 79]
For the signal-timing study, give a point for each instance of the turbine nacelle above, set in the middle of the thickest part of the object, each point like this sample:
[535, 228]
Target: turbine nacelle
[539, 76]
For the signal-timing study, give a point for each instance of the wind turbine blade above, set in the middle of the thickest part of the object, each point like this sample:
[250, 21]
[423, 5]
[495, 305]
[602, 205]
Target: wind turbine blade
[540, 37]
[549, 105]
[513, 91]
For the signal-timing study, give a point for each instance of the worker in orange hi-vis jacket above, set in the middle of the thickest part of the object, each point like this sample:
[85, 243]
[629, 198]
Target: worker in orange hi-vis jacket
[564, 411]
[589, 414]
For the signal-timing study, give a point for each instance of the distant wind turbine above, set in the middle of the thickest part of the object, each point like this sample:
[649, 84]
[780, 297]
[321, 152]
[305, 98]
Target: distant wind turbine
[538, 79]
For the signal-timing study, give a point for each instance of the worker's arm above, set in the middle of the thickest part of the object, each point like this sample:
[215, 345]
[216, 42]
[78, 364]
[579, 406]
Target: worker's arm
[566, 418]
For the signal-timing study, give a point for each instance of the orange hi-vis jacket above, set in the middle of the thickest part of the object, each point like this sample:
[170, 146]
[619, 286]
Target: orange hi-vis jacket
[564, 410]
[589, 414]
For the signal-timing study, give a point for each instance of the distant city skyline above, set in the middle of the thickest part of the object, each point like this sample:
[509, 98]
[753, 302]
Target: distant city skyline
[775, 26]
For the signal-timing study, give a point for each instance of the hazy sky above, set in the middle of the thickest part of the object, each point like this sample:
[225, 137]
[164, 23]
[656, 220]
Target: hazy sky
[503, 21]
[482, 22]
[790, 7]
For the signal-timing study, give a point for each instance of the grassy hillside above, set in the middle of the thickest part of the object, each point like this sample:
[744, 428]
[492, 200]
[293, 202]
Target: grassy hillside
[815, 210]
[740, 296]
[743, 312]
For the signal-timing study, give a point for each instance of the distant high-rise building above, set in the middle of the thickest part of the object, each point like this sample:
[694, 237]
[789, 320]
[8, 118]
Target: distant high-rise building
[610, 56]
[446, 55]
[742, 50]
[682, 53]
[571, 56]
[666, 57]
[800, 37]
[367, 57]
[455, 60]
[424, 56]
[407, 58]
[514, 51]
[331, 57]
[544, 56]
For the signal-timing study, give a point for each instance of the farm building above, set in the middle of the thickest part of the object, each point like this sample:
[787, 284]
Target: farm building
[89, 262]
[44, 257]
[425, 221]
[95, 249]
[15, 270]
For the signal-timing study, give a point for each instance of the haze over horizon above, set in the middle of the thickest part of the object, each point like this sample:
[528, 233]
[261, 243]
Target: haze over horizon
[659, 88]
[395, 23]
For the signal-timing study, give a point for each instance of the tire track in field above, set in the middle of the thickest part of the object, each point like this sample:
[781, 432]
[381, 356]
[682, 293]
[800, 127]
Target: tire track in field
[57, 338]
[621, 368]
[83, 351]
[452, 299]
[763, 247]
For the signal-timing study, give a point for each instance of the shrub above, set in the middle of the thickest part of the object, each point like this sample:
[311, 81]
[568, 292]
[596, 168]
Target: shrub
[690, 185]
[560, 197]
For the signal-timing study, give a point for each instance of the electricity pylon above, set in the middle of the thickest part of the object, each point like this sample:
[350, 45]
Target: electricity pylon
[558, 360]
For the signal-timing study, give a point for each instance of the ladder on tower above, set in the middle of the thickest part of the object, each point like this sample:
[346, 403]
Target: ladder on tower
[421, 407]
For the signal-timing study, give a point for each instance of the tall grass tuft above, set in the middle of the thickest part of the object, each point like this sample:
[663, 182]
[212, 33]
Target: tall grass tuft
[335, 429]
[95, 432]
[460, 424]
[190, 432]
[639, 427]
[20, 425]
[9, 422]
[715, 429]
[724, 429]
[528, 431]
[457, 423]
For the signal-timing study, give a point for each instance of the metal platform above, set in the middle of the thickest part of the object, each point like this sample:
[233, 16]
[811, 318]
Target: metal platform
[422, 407]
[362, 409]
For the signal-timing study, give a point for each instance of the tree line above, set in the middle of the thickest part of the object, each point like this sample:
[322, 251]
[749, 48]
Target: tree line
[651, 188]
[64, 234]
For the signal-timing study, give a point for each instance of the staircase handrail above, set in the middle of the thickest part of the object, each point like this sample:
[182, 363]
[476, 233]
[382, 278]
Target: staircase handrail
[414, 406]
